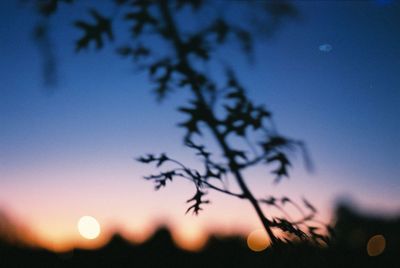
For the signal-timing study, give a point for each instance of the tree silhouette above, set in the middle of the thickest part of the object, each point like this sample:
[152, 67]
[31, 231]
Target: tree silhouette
[243, 130]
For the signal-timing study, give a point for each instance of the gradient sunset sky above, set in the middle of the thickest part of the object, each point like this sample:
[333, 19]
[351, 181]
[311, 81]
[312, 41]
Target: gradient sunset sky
[69, 151]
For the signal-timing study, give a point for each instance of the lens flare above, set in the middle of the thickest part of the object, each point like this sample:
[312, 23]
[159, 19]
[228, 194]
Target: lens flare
[376, 245]
[325, 48]
[258, 240]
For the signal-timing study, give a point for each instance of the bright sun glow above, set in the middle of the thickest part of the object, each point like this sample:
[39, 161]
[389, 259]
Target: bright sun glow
[88, 227]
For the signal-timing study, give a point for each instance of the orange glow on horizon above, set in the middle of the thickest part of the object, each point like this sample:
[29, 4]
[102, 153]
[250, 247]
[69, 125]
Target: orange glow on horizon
[189, 238]
[61, 234]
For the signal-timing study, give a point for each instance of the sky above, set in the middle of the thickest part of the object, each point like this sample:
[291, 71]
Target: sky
[331, 78]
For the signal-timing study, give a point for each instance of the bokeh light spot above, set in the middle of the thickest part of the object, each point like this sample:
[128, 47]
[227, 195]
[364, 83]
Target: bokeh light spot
[376, 245]
[258, 240]
[88, 227]
[325, 48]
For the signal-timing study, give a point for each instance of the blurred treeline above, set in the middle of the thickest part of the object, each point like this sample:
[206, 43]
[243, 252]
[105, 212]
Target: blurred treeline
[354, 246]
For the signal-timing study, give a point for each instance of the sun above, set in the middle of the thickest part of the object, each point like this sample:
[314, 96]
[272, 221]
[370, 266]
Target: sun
[88, 227]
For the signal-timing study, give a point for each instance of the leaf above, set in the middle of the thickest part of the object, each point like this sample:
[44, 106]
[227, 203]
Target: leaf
[270, 201]
[287, 226]
[195, 4]
[245, 40]
[197, 113]
[274, 142]
[233, 83]
[149, 158]
[232, 154]
[162, 159]
[141, 18]
[199, 148]
[284, 163]
[309, 206]
[197, 199]
[121, 2]
[221, 29]
[49, 7]
[162, 178]
[285, 200]
[196, 45]
[94, 32]
[136, 52]
[161, 73]
[146, 159]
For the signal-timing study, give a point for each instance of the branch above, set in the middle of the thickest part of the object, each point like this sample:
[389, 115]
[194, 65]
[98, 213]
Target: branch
[241, 196]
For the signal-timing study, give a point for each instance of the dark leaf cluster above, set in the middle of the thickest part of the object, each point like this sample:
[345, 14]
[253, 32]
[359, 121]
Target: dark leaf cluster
[137, 52]
[197, 201]
[160, 180]
[241, 114]
[94, 32]
[49, 7]
[304, 228]
[140, 17]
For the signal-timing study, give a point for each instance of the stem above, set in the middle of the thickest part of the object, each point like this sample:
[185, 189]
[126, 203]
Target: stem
[211, 119]
[212, 186]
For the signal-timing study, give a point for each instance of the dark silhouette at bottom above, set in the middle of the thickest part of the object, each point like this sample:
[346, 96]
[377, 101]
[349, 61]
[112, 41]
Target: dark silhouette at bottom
[361, 241]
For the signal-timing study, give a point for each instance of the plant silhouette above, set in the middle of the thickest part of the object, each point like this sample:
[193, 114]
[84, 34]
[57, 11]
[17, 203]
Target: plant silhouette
[220, 108]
